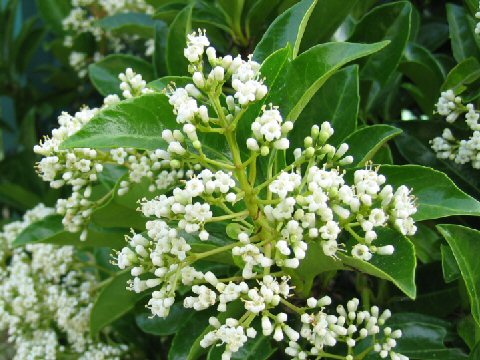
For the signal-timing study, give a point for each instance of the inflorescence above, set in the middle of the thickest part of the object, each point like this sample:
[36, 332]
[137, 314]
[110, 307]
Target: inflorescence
[46, 298]
[275, 218]
[447, 146]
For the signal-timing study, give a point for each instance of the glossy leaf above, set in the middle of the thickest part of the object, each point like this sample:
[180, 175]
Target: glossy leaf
[413, 144]
[365, 142]
[466, 329]
[136, 123]
[159, 54]
[301, 79]
[162, 83]
[232, 9]
[113, 301]
[433, 35]
[426, 242]
[327, 17]
[176, 318]
[288, 28]
[462, 75]
[129, 23]
[436, 195]
[121, 211]
[451, 272]
[385, 22]
[422, 68]
[257, 14]
[104, 73]
[465, 245]
[337, 102]
[53, 12]
[17, 196]
[398, 268]
[461, 35]
[424, 337]
[314, 264]
[177, 64]
[50, 230]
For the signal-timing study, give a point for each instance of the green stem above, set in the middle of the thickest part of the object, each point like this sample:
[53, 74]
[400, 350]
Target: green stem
[354, 234]
[198, 256]
[291, 306]
[228, 216]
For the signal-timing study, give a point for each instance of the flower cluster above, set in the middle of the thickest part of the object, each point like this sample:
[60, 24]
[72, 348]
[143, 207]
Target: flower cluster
[83, 20]
[45, 300]
[273, 219]
[81, 168]
[447, 146]
[319, 330]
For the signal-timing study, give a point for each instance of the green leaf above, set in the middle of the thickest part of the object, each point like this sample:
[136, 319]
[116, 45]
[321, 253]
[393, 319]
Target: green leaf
[205, 13]
[462, 37]
[465, 244]
[50, 230]
[18, 196]
[413, 145]
[129, 23]
[53, 12]
[365, 142]
[301, 78]
[426, 242]
[433, 35]
[121, 210]
[232, 9]
[423, 69]
[288, 28]
[338, 100]
[450, 269]
[159, 54]
[162, 83]
[466, 329]
[176, 318]
[113, 301]
[328, 15]
[258, 13]
[386, 22]
[398, 268]
[177, 64]
[423, 337]
[104, 74]
[475, 354]
[462, 75]
[436, 195]
[136, 123]
[314, 264]
[214, 241]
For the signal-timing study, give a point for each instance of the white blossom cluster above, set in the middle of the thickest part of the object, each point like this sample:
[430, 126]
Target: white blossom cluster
[244, 76]
[45, 300]
[447, 146]
[83, 20]
[275, 221]
[319, 330]
[80, 168]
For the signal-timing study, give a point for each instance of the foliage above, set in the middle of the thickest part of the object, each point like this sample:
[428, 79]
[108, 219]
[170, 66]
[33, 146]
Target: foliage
[260, 196]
